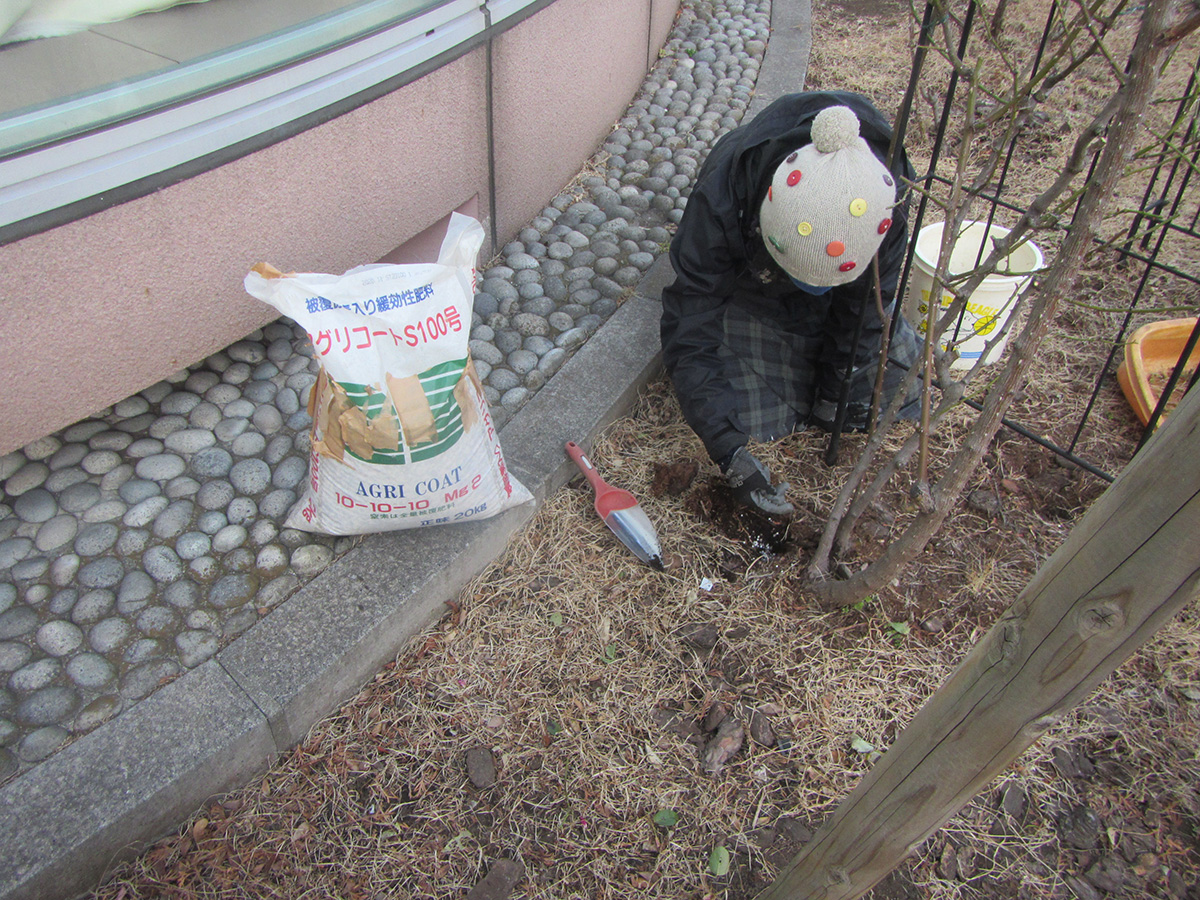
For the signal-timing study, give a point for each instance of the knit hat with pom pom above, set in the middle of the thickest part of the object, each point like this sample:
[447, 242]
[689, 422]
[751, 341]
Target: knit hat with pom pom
[829, 204]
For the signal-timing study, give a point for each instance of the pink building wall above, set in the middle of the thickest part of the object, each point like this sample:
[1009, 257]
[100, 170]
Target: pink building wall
[98, 309]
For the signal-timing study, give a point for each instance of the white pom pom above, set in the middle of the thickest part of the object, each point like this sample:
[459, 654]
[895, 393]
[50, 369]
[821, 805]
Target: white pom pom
[834, 128]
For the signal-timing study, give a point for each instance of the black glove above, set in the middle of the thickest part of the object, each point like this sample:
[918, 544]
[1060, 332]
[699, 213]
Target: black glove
[751, 485]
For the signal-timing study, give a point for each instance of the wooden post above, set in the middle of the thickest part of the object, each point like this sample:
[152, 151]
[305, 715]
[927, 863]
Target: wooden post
[1127, 568]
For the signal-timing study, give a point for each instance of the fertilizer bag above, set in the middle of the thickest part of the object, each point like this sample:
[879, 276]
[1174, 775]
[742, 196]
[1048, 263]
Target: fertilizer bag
[401, 435]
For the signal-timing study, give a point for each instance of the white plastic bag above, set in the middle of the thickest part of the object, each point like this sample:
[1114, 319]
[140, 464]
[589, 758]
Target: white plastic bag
[402, 436]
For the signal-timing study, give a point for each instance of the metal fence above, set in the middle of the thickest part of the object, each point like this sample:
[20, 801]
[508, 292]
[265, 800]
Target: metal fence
[1167, 216]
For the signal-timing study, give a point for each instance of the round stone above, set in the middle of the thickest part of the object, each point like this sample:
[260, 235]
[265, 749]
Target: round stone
[205, 417]
[165, 426]
[158, 621]
[160, 467]
[109, 635]
[179, 403]
[214, 462]
[183, 486]
[29, 476]
[110, 440]
[195, 647]
[552, 361]
[132, 541]
[192, 545]
[277, 503]
[90, 671]
[241, 511]
[62, 602]
[213, 520]
[503, 379]
[56, 532]
[104, 511]
[229, 538]
[529, 324]
[249, 352]
[35, 676]
[277, 590]
[144, 448]
[182, 594]
[232, 591]
[135, 592]
[59, 638]
[143, 650]
[204, 569]
[114, 479]
[272, 560]
[48, 706]
[215, 495]
[289, 473]
[143, 513]
[93, 606]
[143, 680]
[42, 743]
[35, 506]
[174, 520]
[31, 569]
[571, 340]
[277, 449]
[80, 431]
[162, 564]
[311, 559]
[97, 713]
[267, 419]
[515, 398]
[13, 655]
[249, 444]
[190, 440]
[135, 490]
[62, 479]
[104, 572]
[13, 550]
[131, 406]
[250, 476]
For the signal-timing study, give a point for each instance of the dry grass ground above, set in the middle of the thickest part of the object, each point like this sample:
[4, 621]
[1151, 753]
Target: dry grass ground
[575, 711]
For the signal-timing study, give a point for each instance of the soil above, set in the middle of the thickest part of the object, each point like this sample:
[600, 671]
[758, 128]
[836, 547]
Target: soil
[582, 726]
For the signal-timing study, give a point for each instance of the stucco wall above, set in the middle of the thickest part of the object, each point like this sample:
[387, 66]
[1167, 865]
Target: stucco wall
[98, 309]
[561, 79]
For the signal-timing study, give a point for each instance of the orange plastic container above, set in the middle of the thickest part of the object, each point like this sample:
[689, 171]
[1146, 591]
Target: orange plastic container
[1153, 351]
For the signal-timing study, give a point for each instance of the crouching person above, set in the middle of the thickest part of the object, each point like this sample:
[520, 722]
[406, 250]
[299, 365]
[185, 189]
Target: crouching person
[773, 264]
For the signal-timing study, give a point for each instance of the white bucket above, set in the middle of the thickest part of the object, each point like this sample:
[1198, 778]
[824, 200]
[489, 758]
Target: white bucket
[988, 308]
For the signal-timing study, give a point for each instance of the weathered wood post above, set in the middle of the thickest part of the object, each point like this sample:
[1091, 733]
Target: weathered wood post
[1127, 568]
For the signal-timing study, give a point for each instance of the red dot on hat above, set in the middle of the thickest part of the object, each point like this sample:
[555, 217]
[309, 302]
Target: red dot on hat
[846, 267]
[793, 178]
[884, 226]
[835, 248]
[770, 191]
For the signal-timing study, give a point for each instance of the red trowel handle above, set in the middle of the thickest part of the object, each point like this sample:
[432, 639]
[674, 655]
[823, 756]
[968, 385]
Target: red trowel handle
[585, 465]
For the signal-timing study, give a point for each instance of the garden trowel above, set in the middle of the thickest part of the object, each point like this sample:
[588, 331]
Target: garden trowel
[620, 512]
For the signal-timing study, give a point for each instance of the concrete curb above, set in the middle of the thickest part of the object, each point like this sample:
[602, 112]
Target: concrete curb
[106, 796]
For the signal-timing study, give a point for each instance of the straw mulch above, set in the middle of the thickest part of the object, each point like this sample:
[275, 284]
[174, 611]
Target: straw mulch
[582, 726]
[572, 696]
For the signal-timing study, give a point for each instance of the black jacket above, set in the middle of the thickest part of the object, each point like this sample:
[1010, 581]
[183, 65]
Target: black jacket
[719, 259]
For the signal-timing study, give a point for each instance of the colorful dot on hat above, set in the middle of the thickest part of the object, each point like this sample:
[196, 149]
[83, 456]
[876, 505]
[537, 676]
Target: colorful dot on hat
[835, 248]
[793, 178]
[846, 267]
[884, 226]
[887, 179]
[858, 206]
[792, 158]
[804, 228]
[770, 193]
[775, 243]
